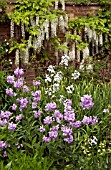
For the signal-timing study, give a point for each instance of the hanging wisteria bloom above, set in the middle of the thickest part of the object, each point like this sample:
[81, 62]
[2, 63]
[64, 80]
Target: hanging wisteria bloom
[86, 102]
[75, 75]
[18, 72]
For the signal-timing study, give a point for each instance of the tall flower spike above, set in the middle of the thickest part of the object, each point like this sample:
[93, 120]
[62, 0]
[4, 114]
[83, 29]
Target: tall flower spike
[17, 57]
[61, 23]
[12, 28]
[26, 56]
[63, 4]
[56, 4]
[23, 30]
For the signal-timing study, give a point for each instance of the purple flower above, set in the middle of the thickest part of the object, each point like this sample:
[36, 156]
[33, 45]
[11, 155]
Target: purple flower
[34, 105]
[42, 129]
[18, 117]
[66, 130]
[10, 92]
[19, 83]
[37, 114]
[18, 72]
[46, 139]
[48, 120]
[54, 128]
[86, 102]
[36, 93]
[14, 106]
[36, 99]
[11, 126]
[58, 116]
[76, 124]
[94, 120]
[3, 145]
[3, 122]
[53, 134]
[69, 116]
[36, 83]
[23, 102]
[69, 140]
[4, 154]
[10, 79]
[5, 115]
[67, 102]
[87, 120]
[50, 106]
[25, 88]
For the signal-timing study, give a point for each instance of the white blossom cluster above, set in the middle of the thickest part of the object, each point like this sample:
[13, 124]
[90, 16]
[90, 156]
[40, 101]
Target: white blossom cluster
[75, 75]
[64, 60]
[70, 89]
[93, 141]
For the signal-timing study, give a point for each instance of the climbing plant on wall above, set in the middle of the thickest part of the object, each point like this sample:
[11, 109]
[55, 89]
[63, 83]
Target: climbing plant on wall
[96, 31]
[38, 20]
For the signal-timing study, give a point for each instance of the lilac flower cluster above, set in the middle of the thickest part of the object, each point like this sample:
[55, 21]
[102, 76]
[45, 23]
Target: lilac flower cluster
[23, 103]
[10, 92]
[65, 122]
[86, 102]
[36, 98]
[36, 83]
[50, 106]
[4, 120]
[90, 120]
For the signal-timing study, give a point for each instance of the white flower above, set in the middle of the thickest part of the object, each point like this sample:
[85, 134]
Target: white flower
[75, 75]
[48, 79]
[62, 98]
[58, 77]
[70, 89]
[64, 60]
[89, 67]
[106, 110]
[48, 91]
[55, 87]
[93, 141]
[51, 69]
